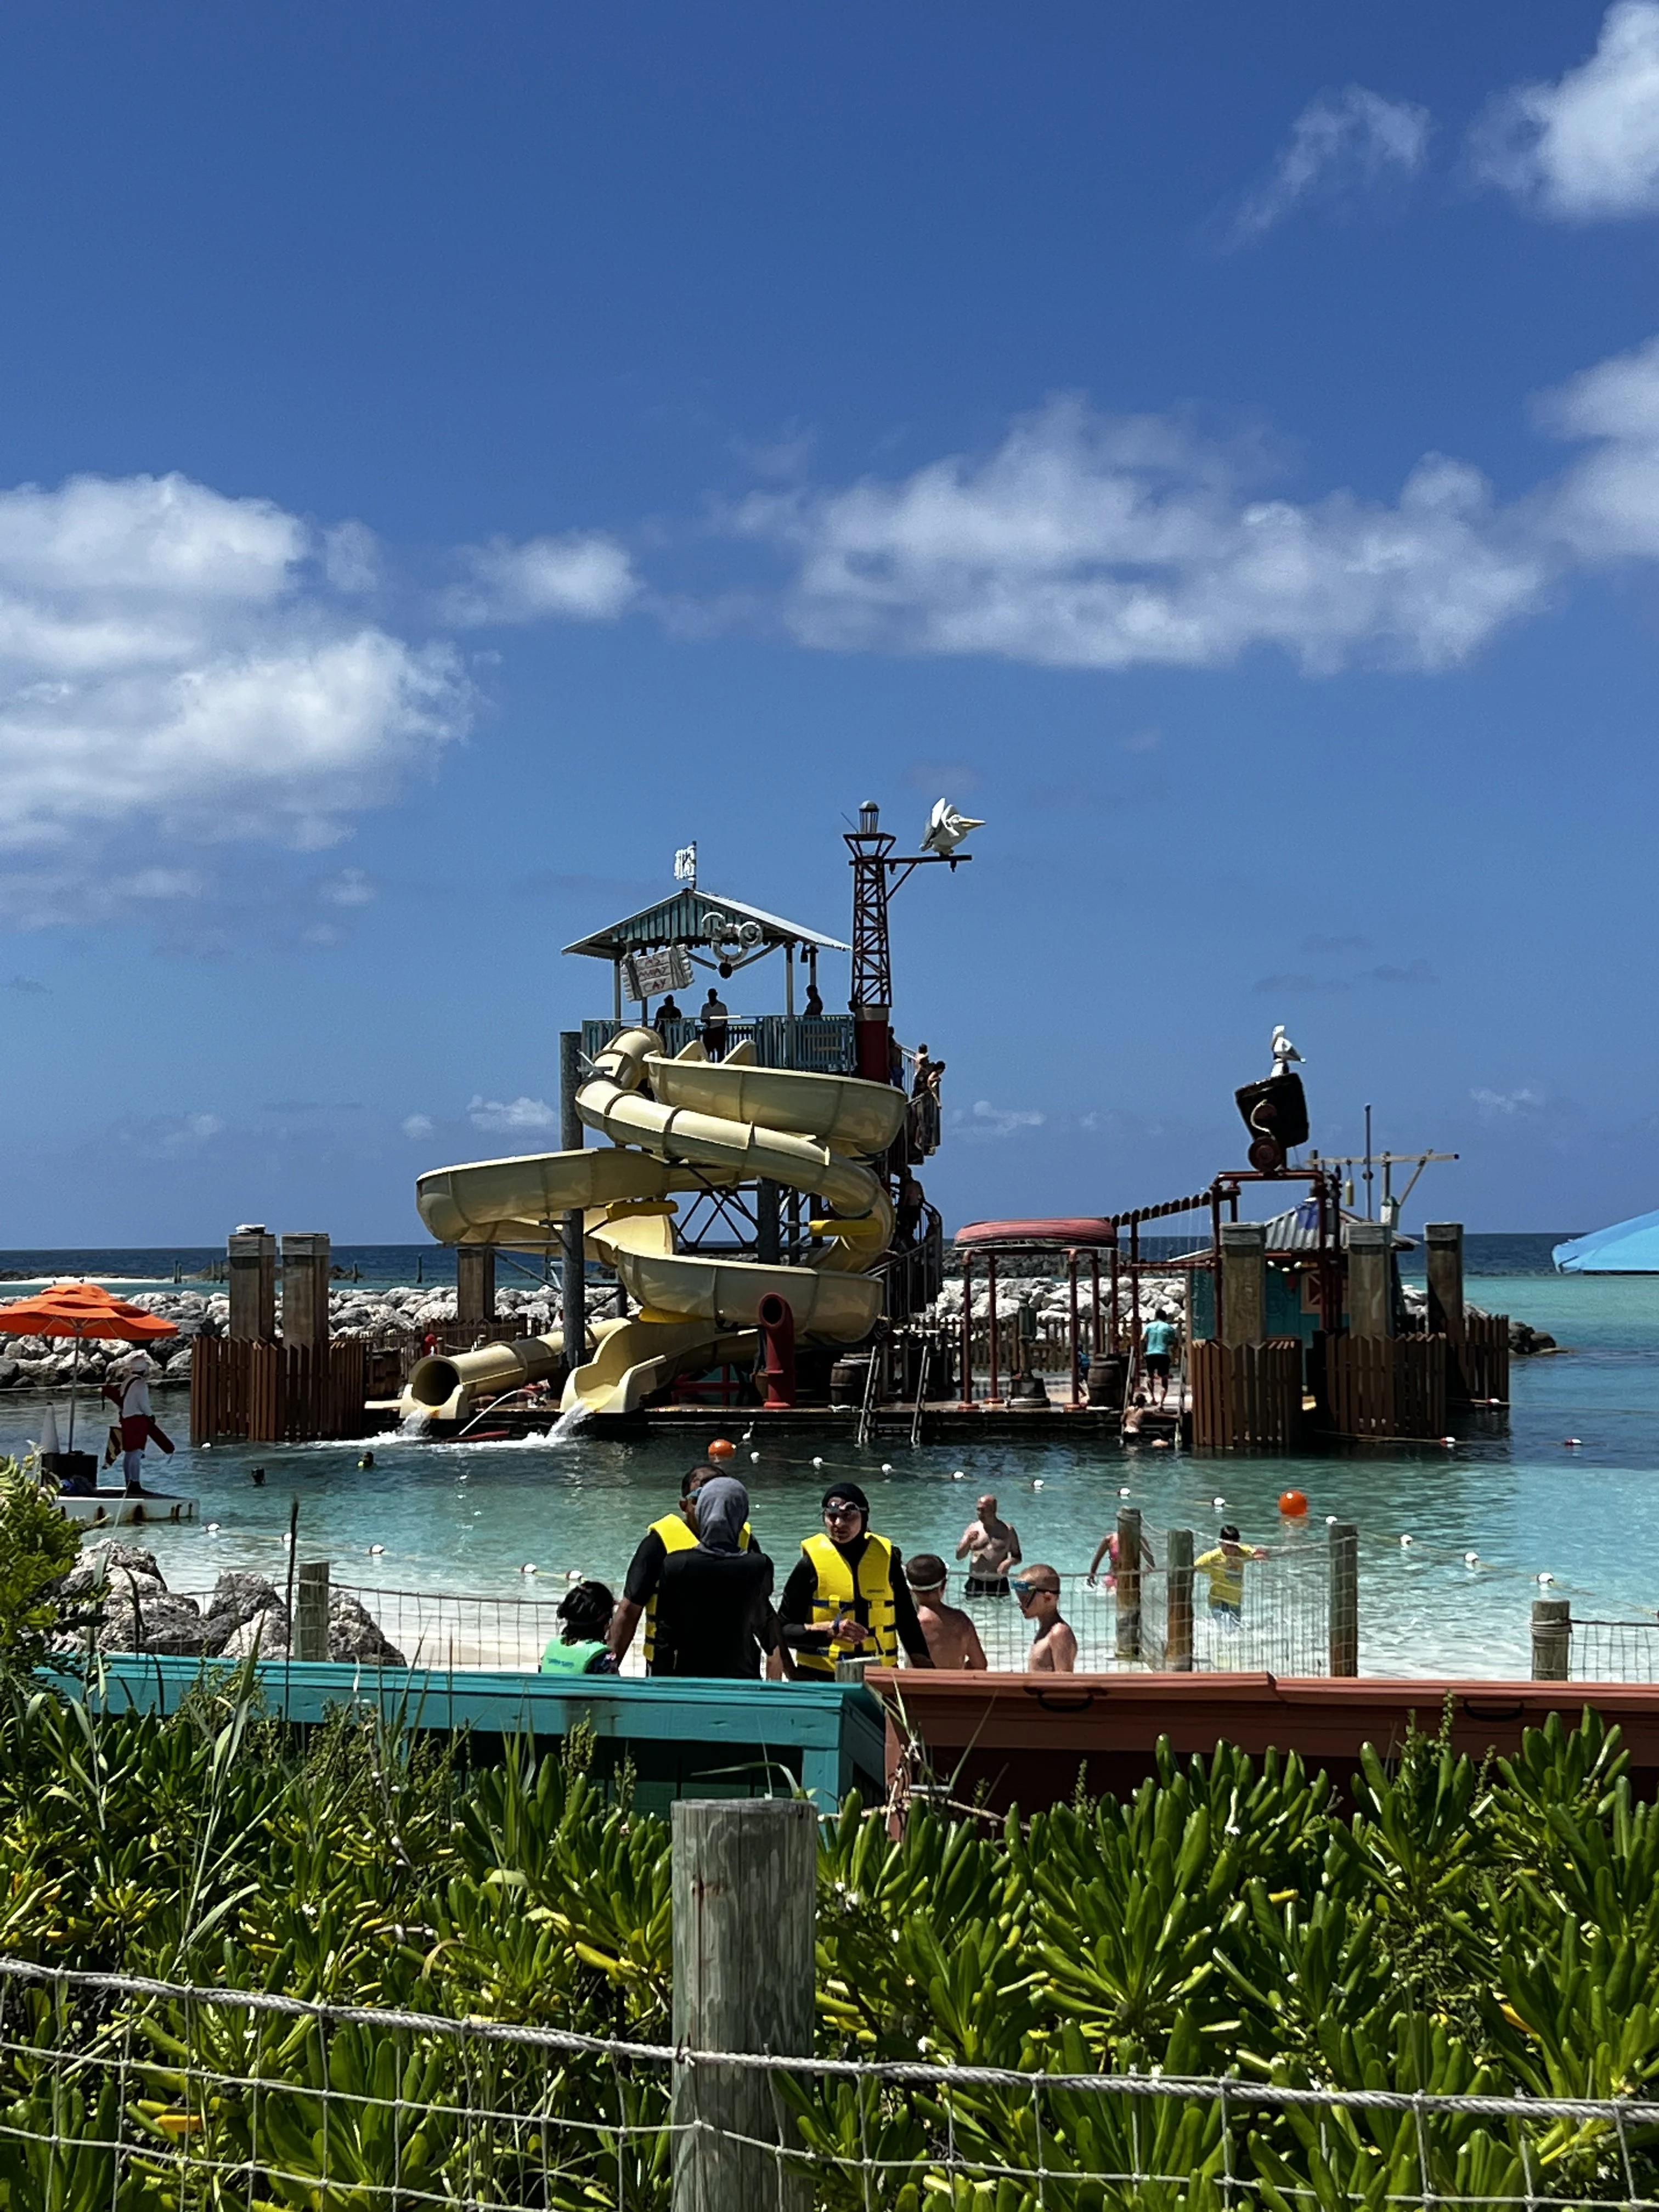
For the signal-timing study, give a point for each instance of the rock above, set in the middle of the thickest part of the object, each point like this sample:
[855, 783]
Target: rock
[159, 1622]
[10, 1372]
[112, 1561]
[1541, 1341]
[354, 1636]
[265, 1634]
[238, 1597]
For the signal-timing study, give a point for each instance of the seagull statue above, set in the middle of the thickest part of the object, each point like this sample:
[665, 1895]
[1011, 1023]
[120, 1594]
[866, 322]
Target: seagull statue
[1284, 1051]
[946, 828]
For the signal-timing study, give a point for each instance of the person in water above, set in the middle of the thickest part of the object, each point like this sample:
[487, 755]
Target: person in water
[714, 1604]
[1054, 1646]
[670, 1533]
[952, 1638]
[847, 1597]
[580, 1647]
[991, 1547]
[1225, 1566]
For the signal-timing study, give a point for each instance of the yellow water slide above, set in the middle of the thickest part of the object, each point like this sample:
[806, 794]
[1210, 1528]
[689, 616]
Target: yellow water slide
[691, 1124]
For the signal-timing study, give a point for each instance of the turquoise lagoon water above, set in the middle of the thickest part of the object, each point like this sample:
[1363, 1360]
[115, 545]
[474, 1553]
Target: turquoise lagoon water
[466, 1517]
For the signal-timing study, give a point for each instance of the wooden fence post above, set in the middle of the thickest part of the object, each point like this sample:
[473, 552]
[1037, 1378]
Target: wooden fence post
[311, 1610]
[1178, 1627]
[1344, 1599]
[744, 1903]
[1551, 1639]
[1128, 1582]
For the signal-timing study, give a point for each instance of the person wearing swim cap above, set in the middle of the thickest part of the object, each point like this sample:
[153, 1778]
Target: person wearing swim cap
[847, 1597]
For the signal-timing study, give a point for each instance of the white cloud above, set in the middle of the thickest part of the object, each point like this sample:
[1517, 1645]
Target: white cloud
[1607, 505]
[172, 665]
[1342, 147]
[519, 1113]
[352, 887]
[1586, 147]
[989, 1120]
[1525, 1100]
[579, 578]
[417, 1125]
[1091, 542]
[192, 1130]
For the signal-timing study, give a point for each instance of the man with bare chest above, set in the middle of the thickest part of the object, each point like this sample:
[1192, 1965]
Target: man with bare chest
[991, 1547]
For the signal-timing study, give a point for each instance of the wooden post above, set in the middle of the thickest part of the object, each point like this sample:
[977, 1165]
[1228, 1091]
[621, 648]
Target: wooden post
[475, 1285]
[1345, 1599]
[574, 1283]
[1178, 1620]
[250, 1272]
[311, 1610]
[1243, 1283]
[305, 1291]
[1371, 1288]
[1076, 1371]
[1128, 1582]
[967, 1396]
[744, 1899]
[994, 1391]
[1551, 1639]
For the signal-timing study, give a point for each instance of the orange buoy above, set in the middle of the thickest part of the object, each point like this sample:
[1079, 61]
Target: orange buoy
[722, 1448]
[1292, 1504]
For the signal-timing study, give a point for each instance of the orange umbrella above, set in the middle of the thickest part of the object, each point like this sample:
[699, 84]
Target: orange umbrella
[79, 1310]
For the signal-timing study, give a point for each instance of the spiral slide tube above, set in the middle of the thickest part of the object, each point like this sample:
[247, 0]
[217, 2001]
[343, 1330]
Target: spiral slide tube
[704, 1124]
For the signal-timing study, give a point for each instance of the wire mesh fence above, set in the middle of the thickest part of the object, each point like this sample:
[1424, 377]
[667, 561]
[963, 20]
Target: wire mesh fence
[118, 2093]
[1613, 1651]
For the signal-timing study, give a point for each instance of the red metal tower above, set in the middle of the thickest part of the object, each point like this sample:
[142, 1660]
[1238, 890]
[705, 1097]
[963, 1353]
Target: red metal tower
[876, 876]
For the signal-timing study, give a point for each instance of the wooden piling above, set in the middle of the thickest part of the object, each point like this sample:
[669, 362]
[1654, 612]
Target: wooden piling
[306, 1264]
[1178, 1621]
[475, 1284]
[311, 1610]
[744, 1897]
[1370, 1279]
[1551, 1639]
[1128, 1582]
[251, 1274]
[1345, 1599]
[1244, 1277]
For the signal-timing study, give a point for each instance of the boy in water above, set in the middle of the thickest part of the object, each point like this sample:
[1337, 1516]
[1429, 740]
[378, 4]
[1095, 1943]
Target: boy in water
[952, 1638]
[1054, 1648]
[1225, 1565]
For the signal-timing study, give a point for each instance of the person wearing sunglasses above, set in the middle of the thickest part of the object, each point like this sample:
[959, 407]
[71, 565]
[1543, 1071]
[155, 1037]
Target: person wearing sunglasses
[848, 1597]
[1054, 1647]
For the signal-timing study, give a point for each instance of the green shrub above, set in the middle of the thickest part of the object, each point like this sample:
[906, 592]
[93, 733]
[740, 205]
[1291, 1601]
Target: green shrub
[38, 1547]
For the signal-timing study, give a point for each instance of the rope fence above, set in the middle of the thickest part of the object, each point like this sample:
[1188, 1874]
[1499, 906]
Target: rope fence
[123, 2092]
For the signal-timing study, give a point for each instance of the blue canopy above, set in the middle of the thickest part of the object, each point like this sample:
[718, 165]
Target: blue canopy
[1629, 1247]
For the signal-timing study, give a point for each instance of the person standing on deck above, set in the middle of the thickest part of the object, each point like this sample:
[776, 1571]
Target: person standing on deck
[813, 1010]
[715, 1019]
[714, 1609]
[128, 1388]
[673, 1533]
[848, 1597]
[1158, 1343]
[994, 1547]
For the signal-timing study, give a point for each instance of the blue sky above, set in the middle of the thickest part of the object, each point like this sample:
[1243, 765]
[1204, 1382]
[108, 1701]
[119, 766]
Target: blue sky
[450, 457]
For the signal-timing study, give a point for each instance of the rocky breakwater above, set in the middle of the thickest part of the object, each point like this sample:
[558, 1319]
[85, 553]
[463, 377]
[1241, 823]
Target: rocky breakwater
[39, 1363]
[243, 1615]
[1049, 1298]
[1523, 1337]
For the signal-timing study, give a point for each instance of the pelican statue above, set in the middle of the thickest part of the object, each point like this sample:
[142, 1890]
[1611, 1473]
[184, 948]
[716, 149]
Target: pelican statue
[946, 828]
[1284, 1051]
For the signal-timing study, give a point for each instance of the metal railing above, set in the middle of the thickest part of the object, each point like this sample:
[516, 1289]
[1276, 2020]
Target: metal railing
[822, 1047]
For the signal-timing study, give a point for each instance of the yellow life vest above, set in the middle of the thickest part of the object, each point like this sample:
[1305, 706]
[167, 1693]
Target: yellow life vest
[677, 1536]
[871, 1603]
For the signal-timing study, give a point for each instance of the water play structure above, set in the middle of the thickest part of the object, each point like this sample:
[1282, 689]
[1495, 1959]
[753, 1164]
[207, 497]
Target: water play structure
[679, 1126]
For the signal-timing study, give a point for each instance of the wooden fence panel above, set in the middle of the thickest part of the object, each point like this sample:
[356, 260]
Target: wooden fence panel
[1388, 1386]
[1480, 1370]
[275, 1394]
[1247, 1397]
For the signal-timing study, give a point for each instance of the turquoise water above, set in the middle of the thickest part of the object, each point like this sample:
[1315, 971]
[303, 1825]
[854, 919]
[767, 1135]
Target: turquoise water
[466, 1517]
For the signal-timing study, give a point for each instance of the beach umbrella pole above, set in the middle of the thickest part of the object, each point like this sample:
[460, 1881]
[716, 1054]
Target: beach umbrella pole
[74, 1385]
